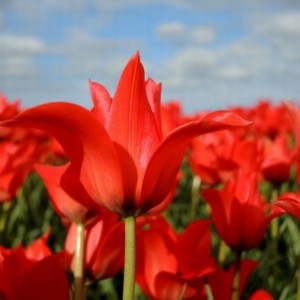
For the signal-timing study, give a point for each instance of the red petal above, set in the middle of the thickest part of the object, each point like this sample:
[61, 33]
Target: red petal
[221, 281]
[239, 222]
[132, 125]
[38, 249]
[172, 286]
[94, 162]
[104, 246]
[196, 239]
[46, 280]
[108, 258]
[102, 101]
[290, 202]
[13, 268]
[295, 117]
[64, 205]
[153, 91]
[156, 258]
[221, 205]
[261, 295]
[166, 161]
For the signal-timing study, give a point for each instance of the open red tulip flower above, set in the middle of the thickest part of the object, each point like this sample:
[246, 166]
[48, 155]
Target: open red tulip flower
[117, 153]
[17, 160]
[294, 112]
[277, 160]
[20, 148]
[171, 266]
[239, 212]
[210, 156]
[103, 246]
[275, 119]
[221, 281]
[33, 273]
[269, 120]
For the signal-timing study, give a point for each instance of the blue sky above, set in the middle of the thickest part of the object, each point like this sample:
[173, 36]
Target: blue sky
[208, 54]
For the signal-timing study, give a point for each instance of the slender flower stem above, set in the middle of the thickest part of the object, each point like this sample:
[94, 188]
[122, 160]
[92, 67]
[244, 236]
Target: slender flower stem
[129, 268]
[223, 252]
[78, 268]
[195, 197]
[4, 212]
[208, 291]
[298, 280]
[274, 230]
[236, 279]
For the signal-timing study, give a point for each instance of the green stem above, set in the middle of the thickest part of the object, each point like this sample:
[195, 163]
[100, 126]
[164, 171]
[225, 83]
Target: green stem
[78, 267]
[208, 290]
[298, 281]
[236, 279]
[274, 230]
[129, 268]
[195, 196]
[223, 252]
[4, 210]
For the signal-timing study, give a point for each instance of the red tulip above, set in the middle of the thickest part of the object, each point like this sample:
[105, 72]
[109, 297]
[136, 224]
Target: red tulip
[277, 160]
[221, 281]
[295, 118]
[17, 160]
[239, 212]
[268, 120]
[32, 273]
[171, 266]
[103, 246]
[20, 148]
[117, 154]
[294, 112]
[210, 156]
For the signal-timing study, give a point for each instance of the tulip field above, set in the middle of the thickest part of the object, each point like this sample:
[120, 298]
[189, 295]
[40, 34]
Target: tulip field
[132, 198]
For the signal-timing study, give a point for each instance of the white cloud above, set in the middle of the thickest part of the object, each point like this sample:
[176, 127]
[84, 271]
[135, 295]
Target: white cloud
[284, 25]
[179, 32]
[203, 34]
[281, 31]
[88, 57]
[235, 61]
[232, 72]
[18, 54]
[245, 49]
[17, 66]
[199, 61]
[190, 63]
[240, 71]
[12, 44]
[171, 30]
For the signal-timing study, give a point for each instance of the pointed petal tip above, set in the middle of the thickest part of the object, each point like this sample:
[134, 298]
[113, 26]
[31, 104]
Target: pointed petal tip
[137, 54]
[135, 58]
[153, 82]
[228, 117]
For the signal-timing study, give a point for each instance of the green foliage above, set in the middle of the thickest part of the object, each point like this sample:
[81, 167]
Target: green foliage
[29, 215]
